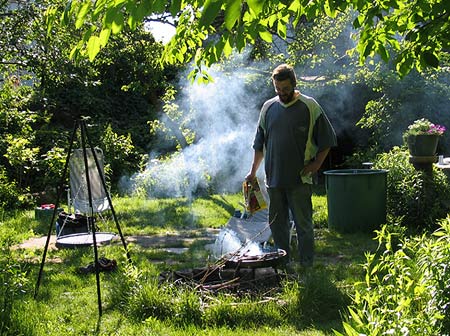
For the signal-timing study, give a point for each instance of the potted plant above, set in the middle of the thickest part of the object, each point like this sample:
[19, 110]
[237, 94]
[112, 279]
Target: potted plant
[422, 137]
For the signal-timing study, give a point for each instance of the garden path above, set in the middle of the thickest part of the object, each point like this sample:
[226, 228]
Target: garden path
[180, 240]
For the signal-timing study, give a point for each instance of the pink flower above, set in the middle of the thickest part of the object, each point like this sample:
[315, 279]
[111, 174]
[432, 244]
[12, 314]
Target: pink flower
[436, 129]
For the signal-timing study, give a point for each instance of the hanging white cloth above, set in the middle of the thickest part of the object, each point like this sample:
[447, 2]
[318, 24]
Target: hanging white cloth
[78, 184]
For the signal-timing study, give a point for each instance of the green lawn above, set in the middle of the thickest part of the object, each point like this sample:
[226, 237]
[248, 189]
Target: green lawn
[134, 301]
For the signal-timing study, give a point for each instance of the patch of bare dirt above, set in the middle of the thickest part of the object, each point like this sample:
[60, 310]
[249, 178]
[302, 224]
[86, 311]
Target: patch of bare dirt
[185, 239]
[37, 243]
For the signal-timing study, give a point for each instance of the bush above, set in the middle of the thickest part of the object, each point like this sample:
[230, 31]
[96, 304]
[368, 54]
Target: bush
[406, 287]
[9, 193]
[15, 284]
[401, 101]
[417, 197]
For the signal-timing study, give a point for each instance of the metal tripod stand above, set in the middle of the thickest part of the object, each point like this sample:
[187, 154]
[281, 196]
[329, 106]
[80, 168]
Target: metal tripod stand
[81, 124]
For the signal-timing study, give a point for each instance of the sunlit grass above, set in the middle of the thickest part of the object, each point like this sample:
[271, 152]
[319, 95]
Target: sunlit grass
[320, 212]
[133, 300]
[150, 216]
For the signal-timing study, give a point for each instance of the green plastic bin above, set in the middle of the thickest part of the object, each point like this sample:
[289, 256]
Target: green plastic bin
[356, 199]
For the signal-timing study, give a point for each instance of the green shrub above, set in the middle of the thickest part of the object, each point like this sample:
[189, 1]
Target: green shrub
[406, 287]
[399, 101]
[9, 193]
[417, 197]
[14, 284]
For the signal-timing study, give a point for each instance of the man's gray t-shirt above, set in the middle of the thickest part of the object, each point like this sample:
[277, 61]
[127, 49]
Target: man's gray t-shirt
[283, 134]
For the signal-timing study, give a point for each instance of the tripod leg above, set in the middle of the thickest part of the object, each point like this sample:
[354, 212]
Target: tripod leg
[90, 216]
[58, 196]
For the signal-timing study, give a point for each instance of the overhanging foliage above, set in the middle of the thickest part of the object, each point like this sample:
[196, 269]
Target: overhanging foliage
[408, 33]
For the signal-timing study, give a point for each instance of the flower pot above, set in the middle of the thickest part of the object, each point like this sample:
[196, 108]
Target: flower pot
[423, 145]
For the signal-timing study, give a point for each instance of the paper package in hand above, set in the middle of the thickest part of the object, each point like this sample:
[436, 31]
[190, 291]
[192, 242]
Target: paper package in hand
[253, 196]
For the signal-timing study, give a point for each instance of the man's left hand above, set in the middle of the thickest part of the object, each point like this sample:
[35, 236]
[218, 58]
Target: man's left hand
[311, 168]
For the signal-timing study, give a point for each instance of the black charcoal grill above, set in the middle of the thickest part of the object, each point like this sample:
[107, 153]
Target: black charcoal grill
[267, 259]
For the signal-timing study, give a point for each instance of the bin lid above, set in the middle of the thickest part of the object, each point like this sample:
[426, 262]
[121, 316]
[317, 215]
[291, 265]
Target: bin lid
[355, 171]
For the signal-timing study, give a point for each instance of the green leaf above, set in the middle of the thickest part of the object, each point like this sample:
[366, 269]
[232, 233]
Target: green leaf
[99, 7]
[192, 75]
[137, 12]
[266, 36]
[355, 316]
[93, 47]
[405, 65]
[218, 49]
[295, 6]
[349, 331]
[82, 14]
[281, 29]
[132, 22]
[159, 6]
[271, 20]
[227, 48]
[87, 34]
[297, 11]
[256, 6]
[65, 17]
[329, 9]
[75, 52]
[374, 269]
[117, 24]
[198, 55]
[357, 22]
[104, 36]
[232, 13]
[360, 4]
[430, 59]
[240, 41]
[143, 10]
[439, 234]
[175, 7]
[368, 48]
[205, 78]
[109, 16]
[311, 11]
[209, 12]
[50, 15]
[382, 51]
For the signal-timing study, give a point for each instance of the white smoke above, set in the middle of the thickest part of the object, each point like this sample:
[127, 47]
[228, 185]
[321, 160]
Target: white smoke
[224, 115]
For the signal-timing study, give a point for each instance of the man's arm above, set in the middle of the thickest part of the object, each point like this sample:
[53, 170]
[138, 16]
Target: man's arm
[257, 158]
[314, 166]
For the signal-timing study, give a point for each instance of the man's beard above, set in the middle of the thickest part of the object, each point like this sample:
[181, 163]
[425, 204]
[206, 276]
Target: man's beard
[286, 98]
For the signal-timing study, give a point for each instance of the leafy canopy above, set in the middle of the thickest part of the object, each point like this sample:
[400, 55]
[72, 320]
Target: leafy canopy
[408, 33]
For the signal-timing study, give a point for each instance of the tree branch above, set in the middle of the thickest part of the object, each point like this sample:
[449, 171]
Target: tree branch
[13, 63]
[164, 18]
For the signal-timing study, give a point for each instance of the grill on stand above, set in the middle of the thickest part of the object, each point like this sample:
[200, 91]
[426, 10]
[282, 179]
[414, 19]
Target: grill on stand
[244, 261]
[243, 244]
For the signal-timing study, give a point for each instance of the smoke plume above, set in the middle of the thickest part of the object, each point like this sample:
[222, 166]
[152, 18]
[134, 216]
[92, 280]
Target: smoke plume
[223, 115]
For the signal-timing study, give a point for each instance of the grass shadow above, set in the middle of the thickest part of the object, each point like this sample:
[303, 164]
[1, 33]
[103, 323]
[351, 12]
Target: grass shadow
[318, 302]
[222, 202]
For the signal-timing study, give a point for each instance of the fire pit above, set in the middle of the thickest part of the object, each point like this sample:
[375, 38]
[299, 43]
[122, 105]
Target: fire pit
[234, 272]
[266, 259]
[243, 259]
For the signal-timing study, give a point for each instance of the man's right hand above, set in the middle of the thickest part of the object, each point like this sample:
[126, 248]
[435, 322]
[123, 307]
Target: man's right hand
[250, 177]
